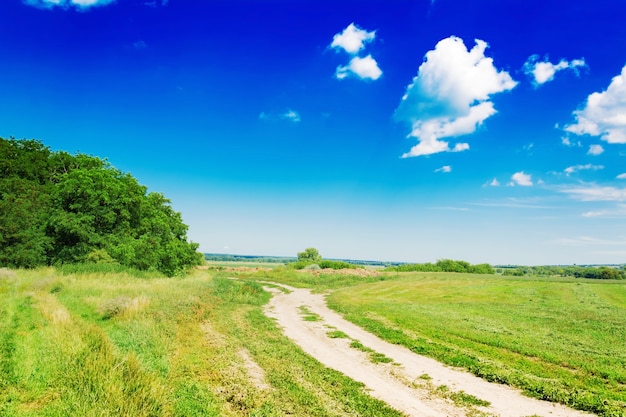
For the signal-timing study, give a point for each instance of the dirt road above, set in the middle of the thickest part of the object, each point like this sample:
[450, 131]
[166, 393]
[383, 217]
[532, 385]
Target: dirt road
[401, 384]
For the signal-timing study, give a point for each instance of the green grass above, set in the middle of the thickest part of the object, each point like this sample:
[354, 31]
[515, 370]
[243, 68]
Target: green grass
[562, 340]
[303, 279]
[113, 344]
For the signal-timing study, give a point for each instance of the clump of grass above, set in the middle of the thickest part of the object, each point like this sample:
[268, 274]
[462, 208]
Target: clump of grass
[308, 315]
[337, 334]
[425, 377]
[114, 307]
[375, 357]
[461, 398]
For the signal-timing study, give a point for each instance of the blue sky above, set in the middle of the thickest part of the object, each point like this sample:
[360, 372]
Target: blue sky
[417, 130]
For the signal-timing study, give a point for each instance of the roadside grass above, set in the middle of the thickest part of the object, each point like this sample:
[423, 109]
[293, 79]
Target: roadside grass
[114, 344]
[562, 340]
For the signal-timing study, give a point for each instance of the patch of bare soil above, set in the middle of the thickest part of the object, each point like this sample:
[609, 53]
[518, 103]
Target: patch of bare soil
[400, 383]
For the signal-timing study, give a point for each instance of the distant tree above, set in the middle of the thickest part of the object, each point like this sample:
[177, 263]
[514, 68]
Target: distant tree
[311, 255]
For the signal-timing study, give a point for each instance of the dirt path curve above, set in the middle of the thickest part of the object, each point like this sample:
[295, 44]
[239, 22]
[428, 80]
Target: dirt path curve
[392, 383]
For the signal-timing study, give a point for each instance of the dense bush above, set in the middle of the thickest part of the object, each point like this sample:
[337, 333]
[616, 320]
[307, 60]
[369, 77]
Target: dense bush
[444, 265]
[57, 208]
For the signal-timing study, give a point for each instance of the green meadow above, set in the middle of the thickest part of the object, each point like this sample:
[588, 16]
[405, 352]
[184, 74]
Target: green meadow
[116, 344]
[75, 342]
[562, 340]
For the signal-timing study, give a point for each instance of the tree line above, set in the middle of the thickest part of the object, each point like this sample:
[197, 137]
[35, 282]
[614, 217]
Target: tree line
[58, 208]
[444, 265]
[577, 271]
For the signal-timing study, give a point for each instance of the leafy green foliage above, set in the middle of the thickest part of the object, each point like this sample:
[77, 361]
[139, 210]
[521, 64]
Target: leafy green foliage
[603, 272]
[56, 208]
[444, 265]
[310, 255]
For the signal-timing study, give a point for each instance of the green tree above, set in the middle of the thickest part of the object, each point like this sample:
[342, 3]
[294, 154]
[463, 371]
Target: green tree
[310, 255]
[59, 208]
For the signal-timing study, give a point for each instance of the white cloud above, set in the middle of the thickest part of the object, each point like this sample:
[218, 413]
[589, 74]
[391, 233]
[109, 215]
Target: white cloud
[604, 114]
[621, 176]
[450, 96]
[542, 72]
[445, 168]
[495, 183]
[352, 39]
[595, 150]
[364, 68]
[291, 115]
[576, 168]
[520, 178]
[596, 193]
[79, 4]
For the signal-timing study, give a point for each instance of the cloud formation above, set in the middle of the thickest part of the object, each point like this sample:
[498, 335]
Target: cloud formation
[570, 170]
[596, 193]
[520, 178]
[445, 168]
[290, 115]
[542, 72]
[604, 114]
[79, 4]
[364, 68]
[352, 39]
[595, 150]
[450, 96]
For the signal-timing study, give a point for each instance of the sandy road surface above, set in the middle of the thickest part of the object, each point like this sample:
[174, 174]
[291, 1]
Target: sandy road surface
[391, 383]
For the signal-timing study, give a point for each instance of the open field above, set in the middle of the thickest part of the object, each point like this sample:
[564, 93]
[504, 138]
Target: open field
[117, 345]
[563, 340]
[559, 339]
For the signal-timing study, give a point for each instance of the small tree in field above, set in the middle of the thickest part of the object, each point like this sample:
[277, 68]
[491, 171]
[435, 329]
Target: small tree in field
[310, 255]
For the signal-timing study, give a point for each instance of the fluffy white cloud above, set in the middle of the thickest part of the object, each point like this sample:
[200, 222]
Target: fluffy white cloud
[495, 183]
[450, 96]
[364, 68]
[542, 72]
[352, 39]
[595, 150]
[576, 168]
[621, 176]
[520, 178]
[604, 114]
[445, 168]
[79, 4]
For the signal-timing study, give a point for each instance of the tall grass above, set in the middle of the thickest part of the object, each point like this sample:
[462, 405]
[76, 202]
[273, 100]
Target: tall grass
[112, 344]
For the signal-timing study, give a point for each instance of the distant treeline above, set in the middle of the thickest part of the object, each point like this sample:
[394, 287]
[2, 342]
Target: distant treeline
[577, 271]
[218, 257]
[444, 265]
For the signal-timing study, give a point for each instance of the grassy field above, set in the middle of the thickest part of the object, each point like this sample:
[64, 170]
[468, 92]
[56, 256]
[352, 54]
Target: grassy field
[563, 340]
[94, 344]
[558, 339]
